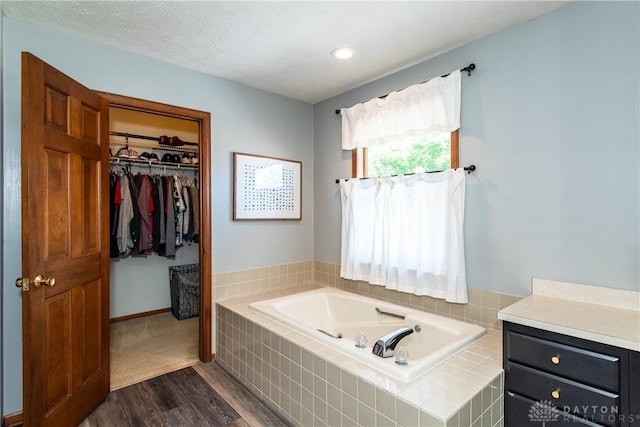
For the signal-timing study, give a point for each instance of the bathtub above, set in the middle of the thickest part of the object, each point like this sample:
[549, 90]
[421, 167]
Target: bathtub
[335, 317]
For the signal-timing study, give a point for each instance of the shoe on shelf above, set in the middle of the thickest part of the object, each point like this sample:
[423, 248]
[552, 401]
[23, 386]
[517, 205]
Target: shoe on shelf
[194, 159]
[176, 158]
[133, 154]
[149, 156]
[167, 158]
[123, 153]
[164, 140]
[185, 158]
[176, 142]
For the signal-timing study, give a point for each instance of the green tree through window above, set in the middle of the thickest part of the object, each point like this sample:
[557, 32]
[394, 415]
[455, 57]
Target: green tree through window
[413, 155]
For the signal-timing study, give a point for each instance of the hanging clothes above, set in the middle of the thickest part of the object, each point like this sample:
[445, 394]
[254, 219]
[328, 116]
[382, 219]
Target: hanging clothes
[170, 245]
[179, 208]
[145, 206]
[195, 195]
[186, 223]
[125, 217]
[134, 225]
[155, 196]
[151, 213]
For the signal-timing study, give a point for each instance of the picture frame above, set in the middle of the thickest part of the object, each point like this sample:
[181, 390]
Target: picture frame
[266, 188]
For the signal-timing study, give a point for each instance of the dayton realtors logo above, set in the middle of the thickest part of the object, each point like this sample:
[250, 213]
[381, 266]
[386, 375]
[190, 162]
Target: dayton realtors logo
[543, 411]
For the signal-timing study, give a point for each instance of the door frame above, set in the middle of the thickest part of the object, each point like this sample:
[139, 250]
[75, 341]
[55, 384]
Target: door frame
[204, 176]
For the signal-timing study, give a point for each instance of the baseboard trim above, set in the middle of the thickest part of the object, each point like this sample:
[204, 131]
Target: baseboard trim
[143, 314]
[12, 420]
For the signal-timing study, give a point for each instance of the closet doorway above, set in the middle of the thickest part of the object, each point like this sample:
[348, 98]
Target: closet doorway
[142, 327]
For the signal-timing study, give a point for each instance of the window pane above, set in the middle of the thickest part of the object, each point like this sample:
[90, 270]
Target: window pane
[412, 155]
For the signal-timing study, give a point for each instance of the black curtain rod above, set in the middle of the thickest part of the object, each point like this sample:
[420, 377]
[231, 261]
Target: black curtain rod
[148, 138]
[469, 169]
[469, 68]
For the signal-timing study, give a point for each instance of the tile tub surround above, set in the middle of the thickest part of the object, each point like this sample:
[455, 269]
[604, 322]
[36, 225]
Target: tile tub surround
[482, 308]
[308, 383]
[256, 281]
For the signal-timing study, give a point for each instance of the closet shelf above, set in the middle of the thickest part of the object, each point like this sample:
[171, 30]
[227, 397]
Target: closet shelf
[151, 163]
[121, 141]
[146, 137]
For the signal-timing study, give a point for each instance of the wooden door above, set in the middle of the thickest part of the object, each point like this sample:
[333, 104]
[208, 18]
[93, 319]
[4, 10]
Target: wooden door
[65, 223]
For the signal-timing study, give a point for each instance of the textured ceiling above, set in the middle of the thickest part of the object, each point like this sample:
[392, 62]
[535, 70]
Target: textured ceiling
[283, 47]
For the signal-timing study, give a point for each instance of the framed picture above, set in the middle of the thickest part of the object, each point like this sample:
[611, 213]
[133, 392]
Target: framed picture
[266, 188]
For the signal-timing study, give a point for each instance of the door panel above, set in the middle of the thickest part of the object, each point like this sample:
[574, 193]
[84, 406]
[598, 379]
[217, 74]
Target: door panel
[65, 226]
[88, 322]
[90, 213]
[56, 229]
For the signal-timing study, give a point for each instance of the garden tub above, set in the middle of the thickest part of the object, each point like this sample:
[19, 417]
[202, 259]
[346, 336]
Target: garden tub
[335, 317]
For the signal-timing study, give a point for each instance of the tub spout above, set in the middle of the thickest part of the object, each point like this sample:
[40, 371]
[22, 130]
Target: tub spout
[385, 345]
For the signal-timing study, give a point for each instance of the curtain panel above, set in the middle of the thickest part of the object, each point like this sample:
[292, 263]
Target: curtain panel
[418, 110]
[406, 233]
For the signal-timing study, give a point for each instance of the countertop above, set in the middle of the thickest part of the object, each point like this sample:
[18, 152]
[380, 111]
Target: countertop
[604, 315]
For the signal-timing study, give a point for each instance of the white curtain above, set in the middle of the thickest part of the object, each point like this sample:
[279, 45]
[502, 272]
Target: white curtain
[418, 110]
[406, 233]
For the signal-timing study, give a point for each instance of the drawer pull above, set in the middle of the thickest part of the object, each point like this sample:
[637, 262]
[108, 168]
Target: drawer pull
[555, 394]
[555, 360]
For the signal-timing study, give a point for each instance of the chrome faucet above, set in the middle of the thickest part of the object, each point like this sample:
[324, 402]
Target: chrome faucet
[385, 345]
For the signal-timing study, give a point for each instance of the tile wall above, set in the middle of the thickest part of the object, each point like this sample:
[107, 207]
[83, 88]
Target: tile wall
[243, 283]
[482, 308]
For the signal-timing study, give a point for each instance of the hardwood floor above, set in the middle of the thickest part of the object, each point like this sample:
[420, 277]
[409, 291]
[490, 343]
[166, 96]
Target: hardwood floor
[198, 396]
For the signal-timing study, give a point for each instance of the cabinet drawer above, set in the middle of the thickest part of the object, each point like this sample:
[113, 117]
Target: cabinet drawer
[579, 399]
[566, 361]
[519, 412]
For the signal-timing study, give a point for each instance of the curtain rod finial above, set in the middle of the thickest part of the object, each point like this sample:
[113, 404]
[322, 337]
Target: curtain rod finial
[469, 68]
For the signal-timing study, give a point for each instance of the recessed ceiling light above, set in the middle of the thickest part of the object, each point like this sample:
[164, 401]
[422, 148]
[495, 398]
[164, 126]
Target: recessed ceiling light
[342, 53]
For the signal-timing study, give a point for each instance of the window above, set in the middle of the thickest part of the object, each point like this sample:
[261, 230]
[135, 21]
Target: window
[405, 232]
[435, 152]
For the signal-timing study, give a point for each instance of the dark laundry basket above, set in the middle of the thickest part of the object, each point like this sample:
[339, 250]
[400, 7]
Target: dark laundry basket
[184, 282]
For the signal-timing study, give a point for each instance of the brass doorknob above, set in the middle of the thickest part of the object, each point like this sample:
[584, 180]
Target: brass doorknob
[555, 360]
[555, 394]
[23, 282]
[40, 280]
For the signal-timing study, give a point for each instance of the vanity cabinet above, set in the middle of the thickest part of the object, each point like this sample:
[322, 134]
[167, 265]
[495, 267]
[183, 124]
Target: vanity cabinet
[562, 380]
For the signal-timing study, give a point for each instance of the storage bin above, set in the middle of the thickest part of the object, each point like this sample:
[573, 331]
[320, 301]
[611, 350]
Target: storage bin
[184, 283]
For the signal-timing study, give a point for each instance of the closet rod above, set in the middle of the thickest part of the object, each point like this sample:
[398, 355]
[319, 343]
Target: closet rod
[148, 138]
[469, 169]
[148, 163]
[469, 68]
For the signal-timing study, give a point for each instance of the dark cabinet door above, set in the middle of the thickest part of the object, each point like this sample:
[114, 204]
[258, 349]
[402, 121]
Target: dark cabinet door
[598, 384]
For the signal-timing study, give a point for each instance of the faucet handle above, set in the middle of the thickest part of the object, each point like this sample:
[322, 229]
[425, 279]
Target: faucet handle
[361, 340]
[402, 354]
